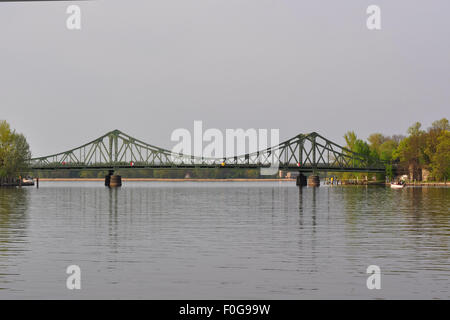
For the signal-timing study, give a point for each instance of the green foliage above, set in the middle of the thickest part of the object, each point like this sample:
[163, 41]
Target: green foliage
[350, 139]
[389, 171]
[411, 151]
[387, 149]
[425, 150]
[376, 140]
[14, 152]
[441, 159]
[362, 148]
[414, 130]
[358, 146]
[419, 150]
[441, 125]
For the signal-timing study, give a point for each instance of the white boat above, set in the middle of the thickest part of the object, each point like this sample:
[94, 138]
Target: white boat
[27, 181]
[397, 185]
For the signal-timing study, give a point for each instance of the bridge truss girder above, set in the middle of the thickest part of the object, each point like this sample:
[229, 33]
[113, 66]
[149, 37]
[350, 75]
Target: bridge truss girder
[117, 150]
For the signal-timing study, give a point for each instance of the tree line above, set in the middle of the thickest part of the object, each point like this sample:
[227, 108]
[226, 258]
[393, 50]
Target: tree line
[421, 154]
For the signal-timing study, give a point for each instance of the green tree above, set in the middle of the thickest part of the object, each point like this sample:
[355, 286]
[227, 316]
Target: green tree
[411, 151]
[441, 159]
[362, 148]
[375, 142]
[14, 152]
[387, 149]
[442, 125]
[438, 128]
[350, 139]
[414, 130]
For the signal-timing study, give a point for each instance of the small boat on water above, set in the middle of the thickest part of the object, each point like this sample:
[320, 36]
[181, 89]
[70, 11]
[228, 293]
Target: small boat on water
[398, 185]
[28, 181]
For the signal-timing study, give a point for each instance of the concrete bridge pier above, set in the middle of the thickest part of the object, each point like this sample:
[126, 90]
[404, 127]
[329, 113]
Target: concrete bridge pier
[313, 181]
[112, 180]
[301, 180]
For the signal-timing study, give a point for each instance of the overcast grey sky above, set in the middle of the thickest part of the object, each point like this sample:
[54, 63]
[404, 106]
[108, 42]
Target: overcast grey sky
[148, 67]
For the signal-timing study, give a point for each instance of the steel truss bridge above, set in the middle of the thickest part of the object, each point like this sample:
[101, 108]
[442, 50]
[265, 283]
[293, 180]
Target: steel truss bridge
[117, 150]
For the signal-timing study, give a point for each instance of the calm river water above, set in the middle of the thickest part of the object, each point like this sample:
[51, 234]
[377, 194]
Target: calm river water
[223, 240]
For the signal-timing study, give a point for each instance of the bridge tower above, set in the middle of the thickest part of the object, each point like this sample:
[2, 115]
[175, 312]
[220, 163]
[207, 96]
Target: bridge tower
[112, 180]
[313, 179]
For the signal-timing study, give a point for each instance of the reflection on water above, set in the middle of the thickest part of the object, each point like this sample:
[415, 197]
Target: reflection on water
[13, 224]
[223, 240]
[13, 205]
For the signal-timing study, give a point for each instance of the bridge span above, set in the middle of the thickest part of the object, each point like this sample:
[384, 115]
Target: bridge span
[304, 153]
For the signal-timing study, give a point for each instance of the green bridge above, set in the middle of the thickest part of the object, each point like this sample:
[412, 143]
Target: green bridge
[304, 153]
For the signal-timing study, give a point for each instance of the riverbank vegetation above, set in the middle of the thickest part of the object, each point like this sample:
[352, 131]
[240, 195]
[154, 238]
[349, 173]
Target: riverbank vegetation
[422, 154]
[14, 152]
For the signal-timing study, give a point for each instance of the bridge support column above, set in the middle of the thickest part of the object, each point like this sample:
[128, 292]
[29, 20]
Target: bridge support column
[113, 181]
[301, 180]
[107, 180]
[313, 181]
[116, 181]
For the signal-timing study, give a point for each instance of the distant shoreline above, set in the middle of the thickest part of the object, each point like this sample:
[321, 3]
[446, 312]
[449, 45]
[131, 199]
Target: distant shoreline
[429, 184]
[163, 180]
[417, 184]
